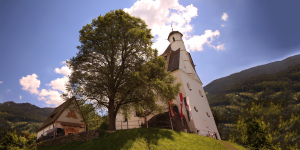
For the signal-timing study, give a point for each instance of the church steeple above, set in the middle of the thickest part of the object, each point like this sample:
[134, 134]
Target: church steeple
[177, 57]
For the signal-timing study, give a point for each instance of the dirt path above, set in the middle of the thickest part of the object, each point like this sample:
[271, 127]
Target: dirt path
[229, 146]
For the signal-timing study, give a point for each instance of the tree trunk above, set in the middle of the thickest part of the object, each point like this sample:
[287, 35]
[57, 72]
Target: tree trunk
[112, 118]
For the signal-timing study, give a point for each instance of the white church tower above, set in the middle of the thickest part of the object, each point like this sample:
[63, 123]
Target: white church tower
[179, 62]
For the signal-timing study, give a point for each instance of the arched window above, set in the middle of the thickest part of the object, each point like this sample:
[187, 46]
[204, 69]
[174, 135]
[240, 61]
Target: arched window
[189, 86]
[200, 92]
[173, 39]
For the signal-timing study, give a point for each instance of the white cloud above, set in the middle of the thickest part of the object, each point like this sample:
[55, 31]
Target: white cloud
[1, 82]
[50, 97]
[63, 62]
[225, 17]
[30, 83]
[196, 42]
[8, 90]
[163, 14]
[219, 47]
[59, 84]
[63, 70]
[222, 25]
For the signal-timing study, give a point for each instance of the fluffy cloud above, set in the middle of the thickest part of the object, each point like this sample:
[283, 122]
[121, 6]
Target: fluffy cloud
[50, 97]
[20, 97]
[196, 42]
[30, 83]
[222, 25]
[63, 70]
[1, 82]
[163, 14]
[59, 84]
[8, 90]
[225, 16]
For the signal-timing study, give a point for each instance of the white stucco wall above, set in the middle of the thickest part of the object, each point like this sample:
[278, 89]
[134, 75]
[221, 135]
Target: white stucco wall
[185, 74]
[63, 118]
[200, 118]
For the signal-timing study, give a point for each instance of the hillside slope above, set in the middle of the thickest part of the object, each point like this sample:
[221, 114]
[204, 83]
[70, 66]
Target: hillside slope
[143, 138]
[16, 112]
[220, 85]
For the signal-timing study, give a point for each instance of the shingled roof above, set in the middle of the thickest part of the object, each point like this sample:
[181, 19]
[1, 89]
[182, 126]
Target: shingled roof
[174, 60]
[57, 112]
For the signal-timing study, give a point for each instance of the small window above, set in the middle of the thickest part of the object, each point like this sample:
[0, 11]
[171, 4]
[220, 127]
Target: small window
[44, 134]
[173, 39]
[189, 86]
[207, 114]
[200, 93]
[195, 108]
[126, 120]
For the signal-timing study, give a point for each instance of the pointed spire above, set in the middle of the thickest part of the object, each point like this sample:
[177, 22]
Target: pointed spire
[172, 27]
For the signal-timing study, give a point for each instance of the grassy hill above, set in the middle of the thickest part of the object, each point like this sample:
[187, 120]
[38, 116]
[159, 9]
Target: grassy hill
[151, 138]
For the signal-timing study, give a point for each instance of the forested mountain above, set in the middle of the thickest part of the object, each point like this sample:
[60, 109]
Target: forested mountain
[22, 112]
[220, 85]
[262, 111]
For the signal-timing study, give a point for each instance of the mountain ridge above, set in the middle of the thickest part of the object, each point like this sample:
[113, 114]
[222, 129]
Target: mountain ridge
[221, 84]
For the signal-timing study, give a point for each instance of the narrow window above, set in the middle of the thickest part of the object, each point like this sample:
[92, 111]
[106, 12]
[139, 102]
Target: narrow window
[195, 108]
[189, 86]
[200, 93]
[126, 120]
[207, 114]
[173, 39]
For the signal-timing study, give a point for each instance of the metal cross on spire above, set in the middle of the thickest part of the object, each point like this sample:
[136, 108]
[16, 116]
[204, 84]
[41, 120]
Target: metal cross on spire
[171, 27]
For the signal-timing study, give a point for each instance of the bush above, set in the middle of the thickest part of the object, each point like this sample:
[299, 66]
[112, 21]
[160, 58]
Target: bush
[31, 139]
[104, 126]
[11, 139]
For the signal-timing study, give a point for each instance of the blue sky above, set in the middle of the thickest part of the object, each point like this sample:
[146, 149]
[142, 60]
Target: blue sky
[36, 37]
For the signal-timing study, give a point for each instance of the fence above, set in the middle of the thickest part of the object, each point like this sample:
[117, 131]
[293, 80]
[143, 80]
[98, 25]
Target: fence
[207, 133]
[123, 125]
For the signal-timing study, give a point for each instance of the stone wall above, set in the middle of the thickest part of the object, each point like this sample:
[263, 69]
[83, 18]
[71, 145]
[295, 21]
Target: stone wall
[80, 137]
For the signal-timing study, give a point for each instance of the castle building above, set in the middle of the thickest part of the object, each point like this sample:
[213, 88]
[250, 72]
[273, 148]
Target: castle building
[67, 116]
[179, 62]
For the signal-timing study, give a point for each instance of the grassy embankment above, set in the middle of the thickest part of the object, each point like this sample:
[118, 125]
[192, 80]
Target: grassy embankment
[151, 138]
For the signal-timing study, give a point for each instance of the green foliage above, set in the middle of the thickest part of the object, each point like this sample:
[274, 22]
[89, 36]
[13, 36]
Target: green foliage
[104, 126]
[24, 112]
[253, 133]
[117, 68]
[31, 139]
[271, 100]
[4, 131]
[11, 139]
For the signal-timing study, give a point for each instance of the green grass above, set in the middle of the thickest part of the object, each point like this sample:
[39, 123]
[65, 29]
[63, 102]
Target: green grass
[144, 139]
[237, 146]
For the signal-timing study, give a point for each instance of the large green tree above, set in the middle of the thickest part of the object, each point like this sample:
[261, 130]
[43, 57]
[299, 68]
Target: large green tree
[117, 68]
